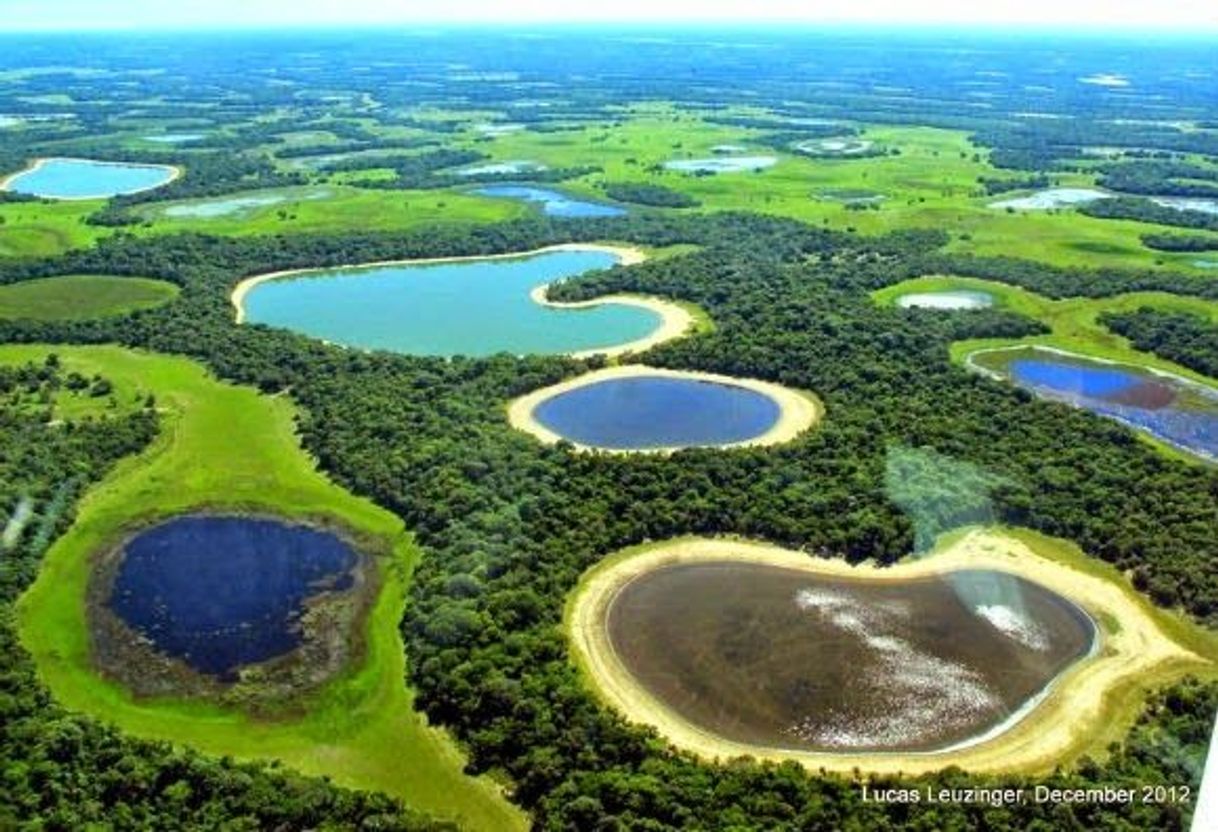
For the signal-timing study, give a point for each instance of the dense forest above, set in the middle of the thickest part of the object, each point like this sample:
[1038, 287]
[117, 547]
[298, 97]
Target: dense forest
[1189, 340]
[645, 193]
[508, 525]
[1180, 242]
[64, 771]
[1144, 210]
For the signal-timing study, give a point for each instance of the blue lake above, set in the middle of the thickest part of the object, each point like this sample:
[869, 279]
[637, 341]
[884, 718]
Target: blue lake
[1176, 411]
[553, 203]
[222, 592]
[85, 179]
[473, 307]
[657, 412]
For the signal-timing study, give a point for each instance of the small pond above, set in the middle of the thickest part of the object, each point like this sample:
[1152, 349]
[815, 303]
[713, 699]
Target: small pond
[722, 164]
[1180, 203]
[174, 138]
[650, 412]
[206, 209]
[86, 179]
[223, 592]
[505, 168]
[947, 299]
[1051, 198]
[1172, 409]
[783, 658]
[553, 203]
[834, 147]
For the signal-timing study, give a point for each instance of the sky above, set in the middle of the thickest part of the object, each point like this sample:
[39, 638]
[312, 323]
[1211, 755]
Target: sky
[1188, 15]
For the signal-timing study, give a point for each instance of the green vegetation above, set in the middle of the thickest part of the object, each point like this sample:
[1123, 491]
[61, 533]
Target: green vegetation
[1073, 324]
[228, 447]
[82, 296]
[69, 771]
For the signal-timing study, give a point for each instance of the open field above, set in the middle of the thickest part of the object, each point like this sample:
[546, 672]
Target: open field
[1091, 704]
[229, 448]
[73, 297]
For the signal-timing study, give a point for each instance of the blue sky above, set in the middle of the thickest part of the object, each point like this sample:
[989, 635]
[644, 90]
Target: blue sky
[110, 14]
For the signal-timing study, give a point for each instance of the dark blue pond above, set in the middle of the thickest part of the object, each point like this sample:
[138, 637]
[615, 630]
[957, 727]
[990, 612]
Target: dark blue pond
[1174, 410]
[553, 203]
[222, 592]
[657, 412]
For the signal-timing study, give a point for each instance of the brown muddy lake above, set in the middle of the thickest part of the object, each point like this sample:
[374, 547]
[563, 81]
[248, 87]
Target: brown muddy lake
[785, 658]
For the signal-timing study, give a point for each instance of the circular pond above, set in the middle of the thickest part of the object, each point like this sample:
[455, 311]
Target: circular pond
[947, 300]
[781, 658]
[195, 600]
[645, 409]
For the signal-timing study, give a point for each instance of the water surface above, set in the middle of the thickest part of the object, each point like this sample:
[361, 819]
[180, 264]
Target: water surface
[722, 164]
[86, 179]
[1181, 203]
[1174, 410]
[553, 203]
[658, 412]
[783, 658]
[223, 592]
[948, 299]
[1052, 198]
[473, 307]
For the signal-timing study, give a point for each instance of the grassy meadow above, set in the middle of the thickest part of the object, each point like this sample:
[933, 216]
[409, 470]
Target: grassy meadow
[71, 297]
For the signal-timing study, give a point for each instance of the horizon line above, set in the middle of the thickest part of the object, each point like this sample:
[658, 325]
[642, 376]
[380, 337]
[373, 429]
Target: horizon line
[1199, 30]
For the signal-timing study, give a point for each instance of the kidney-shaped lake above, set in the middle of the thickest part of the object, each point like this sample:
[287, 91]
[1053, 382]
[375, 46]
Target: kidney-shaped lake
[470, 307]
[780, 658]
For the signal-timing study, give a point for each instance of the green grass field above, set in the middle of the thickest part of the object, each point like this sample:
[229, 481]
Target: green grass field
[1073, 326]
[72, 297]
[230, 448]
[1072, 321]
[932, 183]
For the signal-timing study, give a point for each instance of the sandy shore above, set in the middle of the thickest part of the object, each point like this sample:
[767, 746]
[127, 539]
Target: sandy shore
[1069, 721]
[176, 172]
[674, 319]
[798, 411]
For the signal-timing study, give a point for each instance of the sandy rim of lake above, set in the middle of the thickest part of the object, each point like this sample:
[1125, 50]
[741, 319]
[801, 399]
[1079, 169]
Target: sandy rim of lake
[675, 320]
[176, 172]
[798, 411]
[1067, 722]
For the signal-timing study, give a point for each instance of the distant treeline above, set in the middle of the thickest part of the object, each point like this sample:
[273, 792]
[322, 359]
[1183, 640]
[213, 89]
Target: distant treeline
[1144, 210]
[643, 193]
[1188, 340]
[1180, 242]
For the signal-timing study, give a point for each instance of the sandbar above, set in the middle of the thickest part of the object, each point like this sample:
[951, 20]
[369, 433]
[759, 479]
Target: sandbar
[1070, 719]
[798, 411]
[176, 172]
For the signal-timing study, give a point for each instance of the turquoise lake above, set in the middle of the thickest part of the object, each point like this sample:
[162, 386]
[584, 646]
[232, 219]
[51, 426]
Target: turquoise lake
[658, 412]
[475, 307]
[86, 179]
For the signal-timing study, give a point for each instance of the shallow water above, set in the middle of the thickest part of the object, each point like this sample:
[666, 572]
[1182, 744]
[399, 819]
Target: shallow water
[1180, 203]
[1051, 198]
[834, 147]
[783, 658]
[80, 179]
[553, 203]
[728, 164]
[1176, 411]
[223, 592]
[476, 307]
[658, 412]
[501, 168]
[174, 138]
[951, 299]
